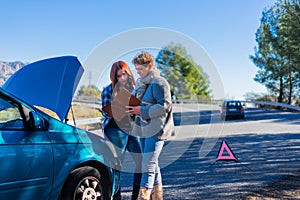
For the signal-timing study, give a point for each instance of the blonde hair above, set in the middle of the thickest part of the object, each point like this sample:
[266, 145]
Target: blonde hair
[143, 58]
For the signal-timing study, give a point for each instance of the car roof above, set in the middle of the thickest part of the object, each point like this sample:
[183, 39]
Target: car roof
[232, 101]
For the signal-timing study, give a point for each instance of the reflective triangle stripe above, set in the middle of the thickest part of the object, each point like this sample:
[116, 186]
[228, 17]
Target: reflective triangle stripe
[229, 157]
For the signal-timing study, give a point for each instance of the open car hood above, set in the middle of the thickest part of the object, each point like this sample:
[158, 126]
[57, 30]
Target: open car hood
[49, 83]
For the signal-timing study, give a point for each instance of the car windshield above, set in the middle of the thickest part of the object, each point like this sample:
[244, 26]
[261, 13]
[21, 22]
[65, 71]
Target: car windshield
[4, 105]
[234, 103]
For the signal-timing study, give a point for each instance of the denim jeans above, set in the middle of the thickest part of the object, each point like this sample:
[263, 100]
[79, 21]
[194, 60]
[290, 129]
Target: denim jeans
[151, 175]
[122, 142]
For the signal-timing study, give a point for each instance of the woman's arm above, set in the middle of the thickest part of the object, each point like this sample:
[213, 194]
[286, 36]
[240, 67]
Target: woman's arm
[161, 97]
[106, 97]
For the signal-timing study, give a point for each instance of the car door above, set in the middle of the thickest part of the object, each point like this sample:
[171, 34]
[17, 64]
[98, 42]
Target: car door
[26, 170]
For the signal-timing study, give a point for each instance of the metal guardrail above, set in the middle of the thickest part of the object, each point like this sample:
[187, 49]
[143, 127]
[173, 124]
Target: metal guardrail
[275, 104]
[97, 101]
[87, 121]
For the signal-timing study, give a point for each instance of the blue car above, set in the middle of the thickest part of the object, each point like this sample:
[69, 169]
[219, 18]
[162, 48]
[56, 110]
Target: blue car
[44, 157]
[232, 109]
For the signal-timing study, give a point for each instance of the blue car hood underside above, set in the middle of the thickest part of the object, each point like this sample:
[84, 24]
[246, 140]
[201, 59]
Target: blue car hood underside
[49, 83]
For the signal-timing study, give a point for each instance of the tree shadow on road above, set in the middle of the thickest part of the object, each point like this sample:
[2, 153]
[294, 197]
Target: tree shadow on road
[197, 117]
[264, 161]
[252, 114]
[274, 115]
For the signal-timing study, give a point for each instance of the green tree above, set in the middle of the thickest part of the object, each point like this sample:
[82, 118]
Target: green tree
[289, 30]
[272, 55]
[187, 79]
[90, 90]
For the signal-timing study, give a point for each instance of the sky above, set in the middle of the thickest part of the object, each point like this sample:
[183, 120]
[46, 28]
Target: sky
[33, 30]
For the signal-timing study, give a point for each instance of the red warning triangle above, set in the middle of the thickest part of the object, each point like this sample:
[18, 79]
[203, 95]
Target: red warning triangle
[229, 156]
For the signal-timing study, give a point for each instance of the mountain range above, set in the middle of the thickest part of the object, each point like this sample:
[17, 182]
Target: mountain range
[8, 68]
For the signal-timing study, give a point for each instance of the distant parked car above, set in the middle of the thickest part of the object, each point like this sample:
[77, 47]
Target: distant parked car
[43, 157]
[232, 109]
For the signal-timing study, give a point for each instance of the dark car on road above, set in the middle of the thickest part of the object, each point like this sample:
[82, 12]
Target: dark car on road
[232, 109]
[43, 157]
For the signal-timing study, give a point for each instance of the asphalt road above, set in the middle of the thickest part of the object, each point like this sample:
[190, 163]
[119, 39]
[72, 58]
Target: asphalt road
[266, 144]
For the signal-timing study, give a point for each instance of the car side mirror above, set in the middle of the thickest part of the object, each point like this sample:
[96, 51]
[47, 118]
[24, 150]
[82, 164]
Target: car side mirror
[36, 122]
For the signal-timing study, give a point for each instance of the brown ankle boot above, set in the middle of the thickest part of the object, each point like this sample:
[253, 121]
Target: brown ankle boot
[157, 192]
[144, 194]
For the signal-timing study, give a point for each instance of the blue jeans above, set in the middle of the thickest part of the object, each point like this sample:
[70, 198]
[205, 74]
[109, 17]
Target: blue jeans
[122, 142]
[151, 175]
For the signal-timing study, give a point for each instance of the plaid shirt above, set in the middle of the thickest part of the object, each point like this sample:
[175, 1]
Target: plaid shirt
[107, 98]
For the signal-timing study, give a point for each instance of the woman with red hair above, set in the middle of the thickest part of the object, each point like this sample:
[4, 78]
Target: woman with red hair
[117, 130]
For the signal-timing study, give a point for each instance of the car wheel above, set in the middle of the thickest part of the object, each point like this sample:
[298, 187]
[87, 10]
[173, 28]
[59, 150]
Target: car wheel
[84, 183]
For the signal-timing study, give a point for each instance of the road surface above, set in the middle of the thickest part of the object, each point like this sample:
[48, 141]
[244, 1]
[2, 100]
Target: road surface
[266, 144]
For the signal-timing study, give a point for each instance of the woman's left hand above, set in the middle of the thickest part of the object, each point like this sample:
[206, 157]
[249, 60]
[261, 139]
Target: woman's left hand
[133, 110]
